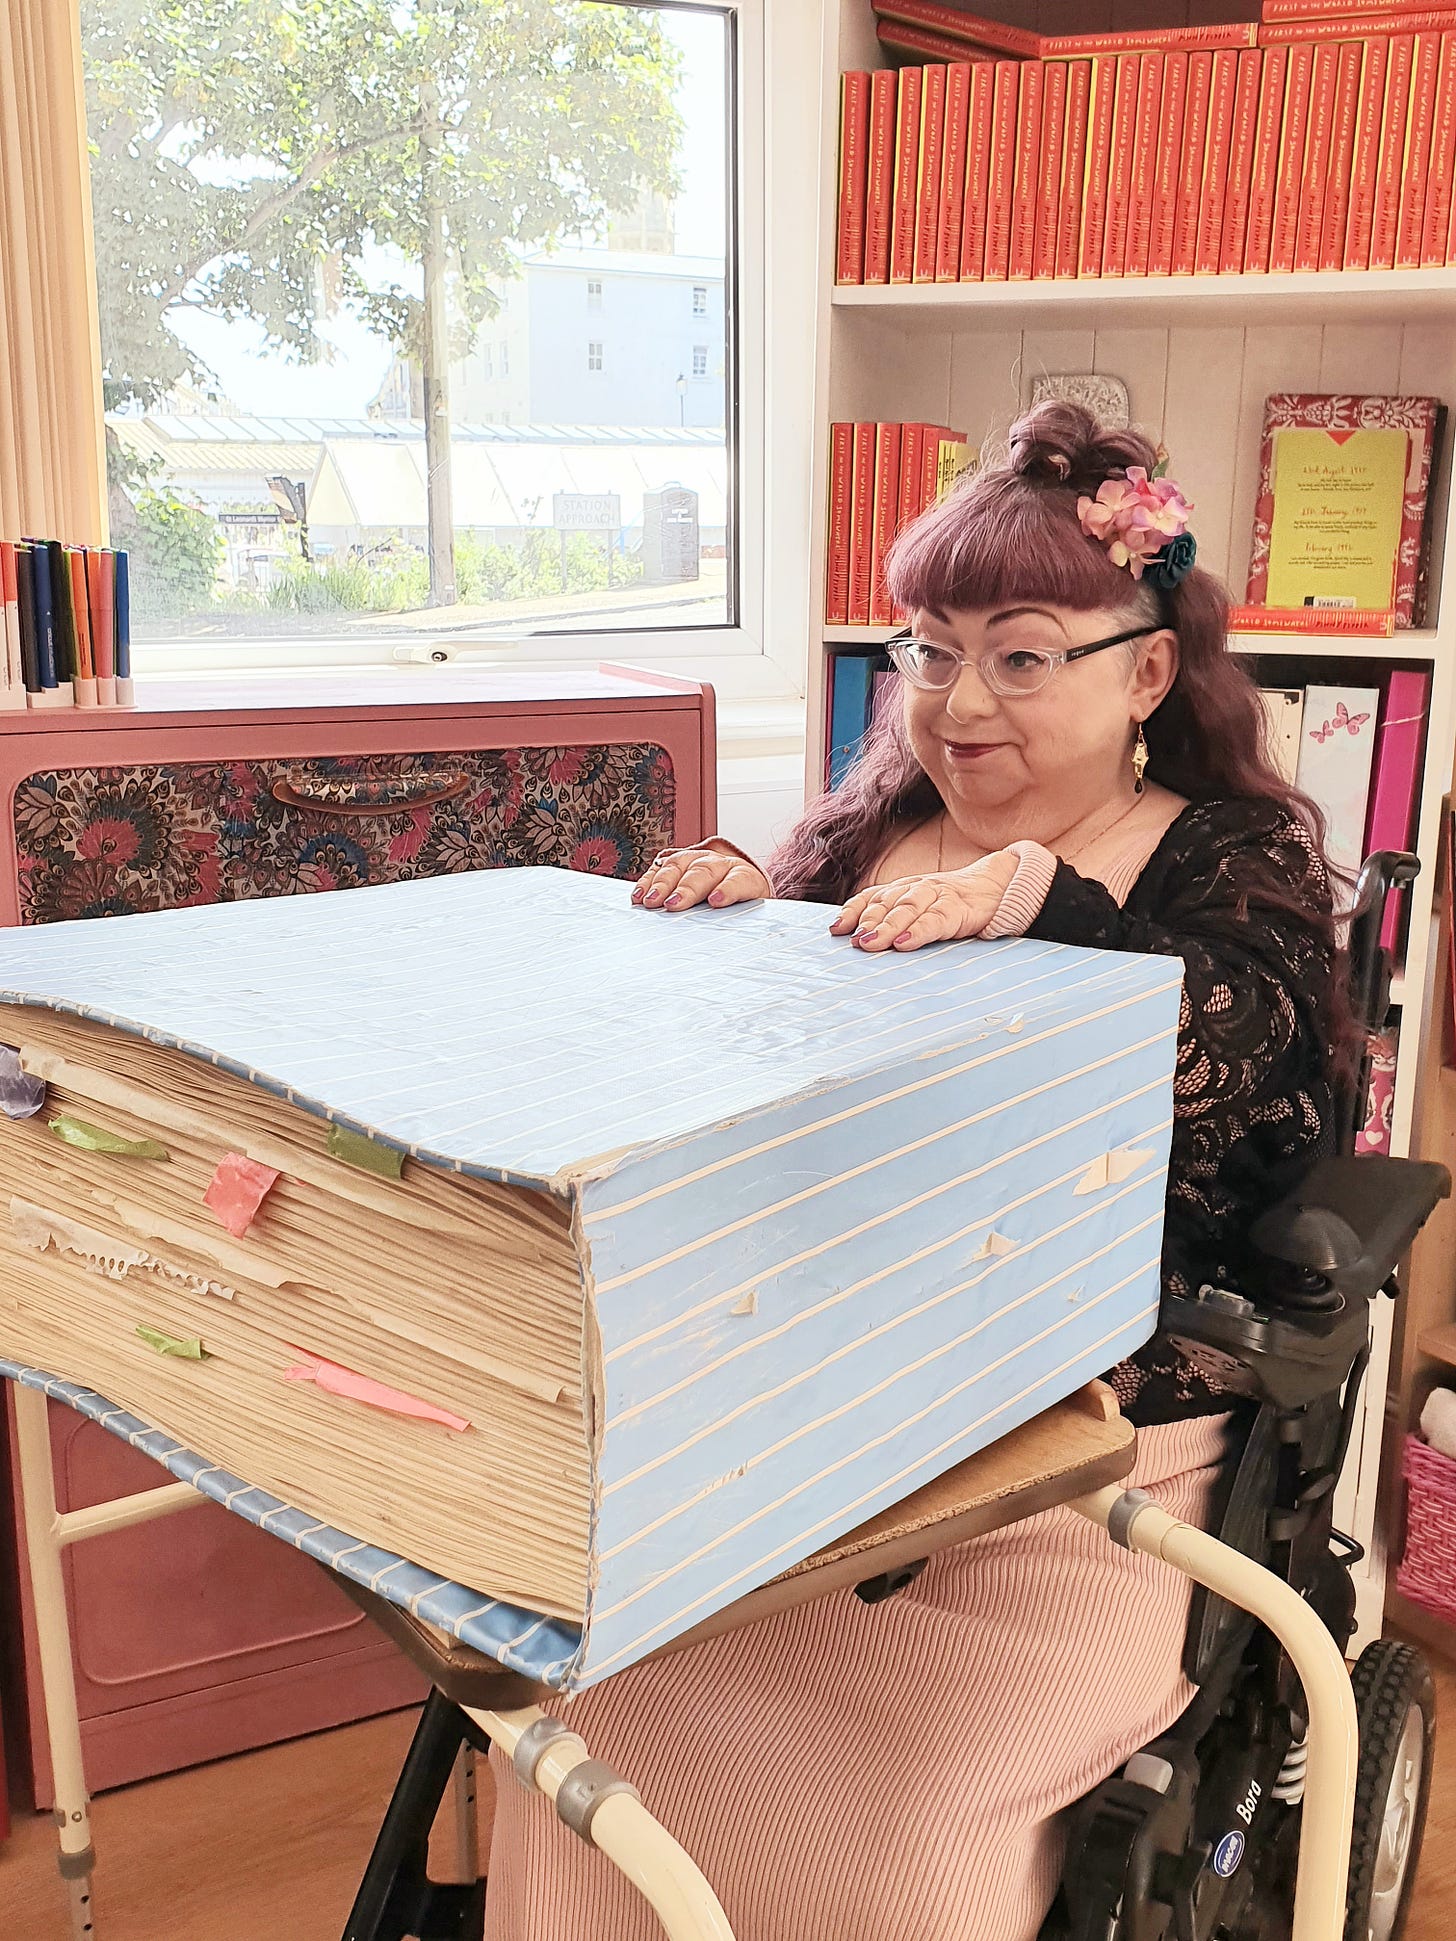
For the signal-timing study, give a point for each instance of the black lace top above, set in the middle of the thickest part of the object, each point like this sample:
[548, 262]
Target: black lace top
[1236, 889]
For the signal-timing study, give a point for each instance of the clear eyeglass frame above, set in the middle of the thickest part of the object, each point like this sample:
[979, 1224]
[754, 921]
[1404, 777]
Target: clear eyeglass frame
[1011, 671]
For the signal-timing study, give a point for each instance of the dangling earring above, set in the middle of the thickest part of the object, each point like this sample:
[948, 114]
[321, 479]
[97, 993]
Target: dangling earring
[1139, 761]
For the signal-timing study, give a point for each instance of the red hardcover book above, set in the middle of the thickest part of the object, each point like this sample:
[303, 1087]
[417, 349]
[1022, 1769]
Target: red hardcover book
[928, 172]
[961, 26]
[1399, 745]
[912, 452]
[1341, 622]
[1190, 172]
[854, 121]
[1432, 20]
[1025, 181]
[1442, 174]
[1425, 71]
[907, 164]
[1119, 175]
[919, 41]
[1154, 40]
[1049, 169]
[1394, 123]
[1145, 163]
[1291, 157]
[1235, 232]
[880, 189]
[1099, 162]
[1264, 178]
[1318, 139]
[1074, 166]
[1365, 168]
[1342, 156]
[1219, 148]
[1002, 177]
[1419, 418]
[861, 523]
[953, 172]
[978, 173]
[1166, 163]
[836, 562]
[886, 513]
[1353, 11]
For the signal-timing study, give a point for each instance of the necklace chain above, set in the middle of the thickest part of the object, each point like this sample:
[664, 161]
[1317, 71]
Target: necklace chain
[1067, 855]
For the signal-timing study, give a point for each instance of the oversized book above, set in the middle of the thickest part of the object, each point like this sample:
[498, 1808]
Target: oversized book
[602, 1261]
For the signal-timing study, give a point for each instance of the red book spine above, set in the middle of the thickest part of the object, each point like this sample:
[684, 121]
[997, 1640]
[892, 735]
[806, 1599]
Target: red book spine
[1241, 162]
[978, 170]
[907, 163]
[912, 449]
[962, 26]
[1165, 170]
[1353, 11]
[927, 172]
[930, 466]
[1145, 163]
[854, 120]
[1002, 176]
[1291, 158]
[1155, 40]
[1190, 173]
[1049, 169]
[1074, 166]
[861, 524]
[953, 173]
[1319, 136]
[1433, 20]
[1027, 178]
[1365, 168]
[880, 189]
[1099, 162]
[1264, 178]
[886, 511]
[1416, 172]
[936, 47]
[1119, 178]
[1342, 157]
[1443, 161]
[836, 569]
[1393, 123]
[1217, 151]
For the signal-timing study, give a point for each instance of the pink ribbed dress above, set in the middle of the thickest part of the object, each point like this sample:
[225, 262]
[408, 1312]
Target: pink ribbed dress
[889, 1772]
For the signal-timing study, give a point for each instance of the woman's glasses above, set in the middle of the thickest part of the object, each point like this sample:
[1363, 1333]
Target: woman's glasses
[1006, 670]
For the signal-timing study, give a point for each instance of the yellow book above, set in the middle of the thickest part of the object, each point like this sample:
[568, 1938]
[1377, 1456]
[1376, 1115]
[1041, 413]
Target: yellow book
[954, 458]
[1335, 533]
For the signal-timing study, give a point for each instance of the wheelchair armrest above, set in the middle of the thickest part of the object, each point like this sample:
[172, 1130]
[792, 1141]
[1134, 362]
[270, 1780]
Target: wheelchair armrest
[1345, 1227]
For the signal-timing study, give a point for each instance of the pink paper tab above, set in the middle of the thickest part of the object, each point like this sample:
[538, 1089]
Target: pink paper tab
[360, 1388]
[236, 1191]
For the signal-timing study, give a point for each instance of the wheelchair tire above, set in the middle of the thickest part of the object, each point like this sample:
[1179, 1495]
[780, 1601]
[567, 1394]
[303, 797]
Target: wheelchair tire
[1396, 1703]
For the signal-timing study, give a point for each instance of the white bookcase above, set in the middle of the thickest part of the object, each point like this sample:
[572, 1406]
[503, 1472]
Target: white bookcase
[1198, 357]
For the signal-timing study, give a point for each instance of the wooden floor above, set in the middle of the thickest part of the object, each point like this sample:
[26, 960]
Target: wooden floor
[269, 1847]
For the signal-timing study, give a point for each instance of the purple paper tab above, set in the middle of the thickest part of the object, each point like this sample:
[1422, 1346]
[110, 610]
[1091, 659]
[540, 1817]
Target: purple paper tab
[21, 1095]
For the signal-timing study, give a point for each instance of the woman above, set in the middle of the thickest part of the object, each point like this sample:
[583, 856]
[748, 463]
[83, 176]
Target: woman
[1076, 757]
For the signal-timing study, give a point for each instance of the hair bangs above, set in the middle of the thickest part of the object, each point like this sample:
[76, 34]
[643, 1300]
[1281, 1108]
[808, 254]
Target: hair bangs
[1000, 541]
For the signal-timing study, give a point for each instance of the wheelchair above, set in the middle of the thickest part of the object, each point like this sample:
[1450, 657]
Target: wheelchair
[1196, 1839]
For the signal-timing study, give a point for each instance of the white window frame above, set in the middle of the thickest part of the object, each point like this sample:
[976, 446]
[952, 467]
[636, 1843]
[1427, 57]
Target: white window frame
[700, 354]
[503, 362]
[595, 356]
[594, 293]
[700, 299]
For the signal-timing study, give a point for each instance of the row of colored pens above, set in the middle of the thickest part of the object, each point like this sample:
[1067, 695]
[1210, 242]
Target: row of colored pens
[67, 626]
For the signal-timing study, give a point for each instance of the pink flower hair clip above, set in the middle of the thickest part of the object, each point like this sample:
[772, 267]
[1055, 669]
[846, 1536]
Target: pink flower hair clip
[1143, 523]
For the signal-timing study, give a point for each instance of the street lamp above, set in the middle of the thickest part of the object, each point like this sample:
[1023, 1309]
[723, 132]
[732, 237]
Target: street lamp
[682, 398]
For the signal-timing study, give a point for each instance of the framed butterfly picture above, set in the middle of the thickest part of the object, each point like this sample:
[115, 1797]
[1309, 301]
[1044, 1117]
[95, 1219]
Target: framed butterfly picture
[1336, 748]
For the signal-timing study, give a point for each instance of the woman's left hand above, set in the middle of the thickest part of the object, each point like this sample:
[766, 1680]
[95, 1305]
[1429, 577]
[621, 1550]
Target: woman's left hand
[915, 910]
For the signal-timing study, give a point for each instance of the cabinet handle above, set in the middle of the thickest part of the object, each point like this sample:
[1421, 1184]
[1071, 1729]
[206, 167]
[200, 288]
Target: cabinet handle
[426, 797]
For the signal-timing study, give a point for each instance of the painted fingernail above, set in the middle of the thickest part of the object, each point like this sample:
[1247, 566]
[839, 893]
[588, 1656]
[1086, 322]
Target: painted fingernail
[653, 896]
[717, 899]
[866, 936]
[672, 902]
[903, 938]
[636, 896]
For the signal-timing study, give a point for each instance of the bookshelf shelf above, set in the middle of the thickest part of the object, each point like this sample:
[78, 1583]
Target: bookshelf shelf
[1416, 644]
[1325, 297]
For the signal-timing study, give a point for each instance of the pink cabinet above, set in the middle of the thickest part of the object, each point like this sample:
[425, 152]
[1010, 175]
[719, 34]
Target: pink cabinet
[198, 1636]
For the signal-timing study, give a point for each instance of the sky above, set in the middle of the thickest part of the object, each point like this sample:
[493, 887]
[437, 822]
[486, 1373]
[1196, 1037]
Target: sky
[344, 384]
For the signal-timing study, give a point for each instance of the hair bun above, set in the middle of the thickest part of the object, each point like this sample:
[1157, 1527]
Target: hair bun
[1061, 443]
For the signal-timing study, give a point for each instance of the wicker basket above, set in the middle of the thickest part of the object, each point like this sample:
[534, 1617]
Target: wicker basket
[1427, 1574]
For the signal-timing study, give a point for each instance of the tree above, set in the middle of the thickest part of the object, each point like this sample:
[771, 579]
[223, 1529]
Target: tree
[246, 154]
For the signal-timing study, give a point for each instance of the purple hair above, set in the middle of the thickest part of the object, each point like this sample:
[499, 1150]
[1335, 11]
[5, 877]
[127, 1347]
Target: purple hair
[1009, 535]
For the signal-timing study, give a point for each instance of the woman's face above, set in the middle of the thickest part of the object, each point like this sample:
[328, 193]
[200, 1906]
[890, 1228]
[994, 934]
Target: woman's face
[1069, 742]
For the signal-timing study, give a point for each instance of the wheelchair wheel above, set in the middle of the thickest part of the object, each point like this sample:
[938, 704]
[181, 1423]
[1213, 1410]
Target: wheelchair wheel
[1396, 1702]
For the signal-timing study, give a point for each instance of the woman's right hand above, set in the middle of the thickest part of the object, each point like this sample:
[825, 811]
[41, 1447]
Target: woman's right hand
[676, 879]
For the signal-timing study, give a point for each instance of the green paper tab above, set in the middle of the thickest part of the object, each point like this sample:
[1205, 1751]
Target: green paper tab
[171, 1344]
[367, 1154]
[76, 1132]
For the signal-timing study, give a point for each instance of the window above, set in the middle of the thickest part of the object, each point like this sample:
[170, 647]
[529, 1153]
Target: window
[262, 310]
